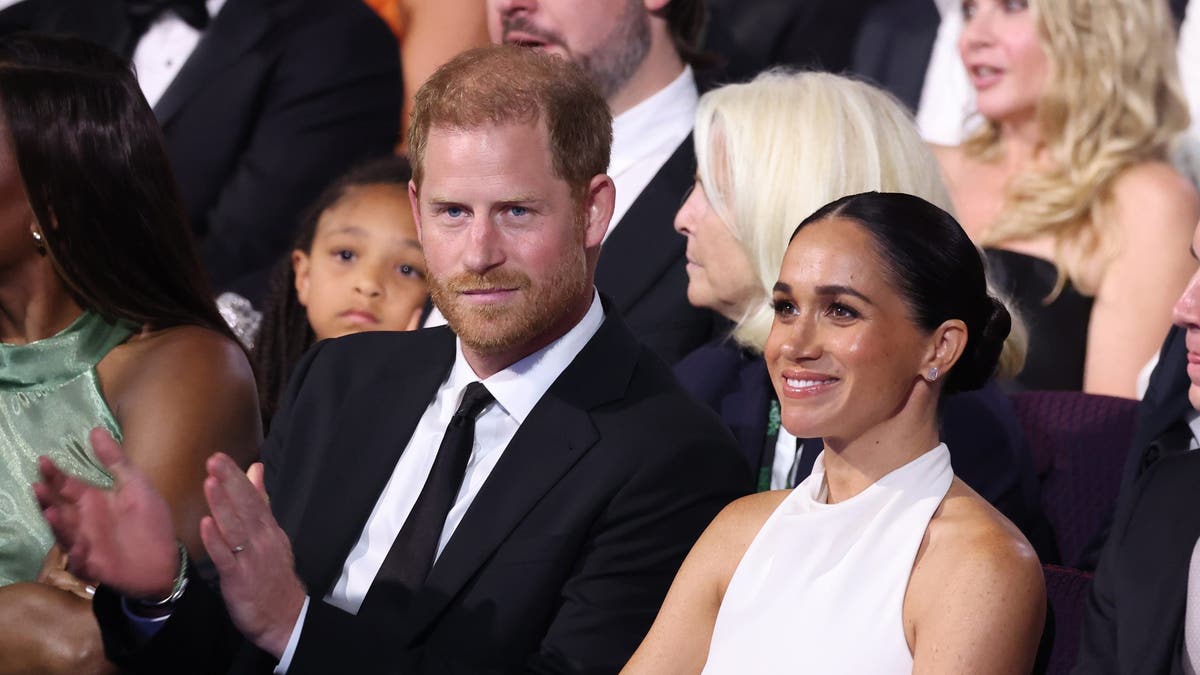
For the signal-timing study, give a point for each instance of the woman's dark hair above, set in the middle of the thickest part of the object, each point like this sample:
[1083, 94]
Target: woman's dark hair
[95, 168]
[938, 271]
[286, 333]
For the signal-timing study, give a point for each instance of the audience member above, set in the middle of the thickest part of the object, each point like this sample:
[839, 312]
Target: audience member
[356, 265]
[430, 33]
[637, 53]
[591, 476]
[893, 47]
[263, 103]
[106, 320]
[836, 136]
[1066, 182]
[1143, 610]
[881, 560]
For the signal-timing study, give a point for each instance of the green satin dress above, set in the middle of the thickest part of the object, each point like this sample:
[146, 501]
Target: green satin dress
[50, 399]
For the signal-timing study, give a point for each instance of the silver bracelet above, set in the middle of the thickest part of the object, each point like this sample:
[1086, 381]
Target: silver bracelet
[177, 588]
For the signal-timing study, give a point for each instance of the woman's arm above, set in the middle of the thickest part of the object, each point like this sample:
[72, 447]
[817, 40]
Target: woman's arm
[679, 639]
[1153, 214]
[976, 601]
[178, 395]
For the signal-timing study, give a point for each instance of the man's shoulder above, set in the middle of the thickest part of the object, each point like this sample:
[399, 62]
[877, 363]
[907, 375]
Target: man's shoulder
[370, 354]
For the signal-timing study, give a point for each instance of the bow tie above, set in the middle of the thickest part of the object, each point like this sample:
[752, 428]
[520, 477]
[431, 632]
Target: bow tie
[143, 12]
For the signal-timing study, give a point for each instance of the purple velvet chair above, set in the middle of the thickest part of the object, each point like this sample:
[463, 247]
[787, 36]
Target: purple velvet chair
[1066, 589]
[1079, 442]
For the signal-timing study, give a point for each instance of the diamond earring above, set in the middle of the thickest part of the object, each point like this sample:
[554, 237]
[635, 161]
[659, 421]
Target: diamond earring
[933, 373]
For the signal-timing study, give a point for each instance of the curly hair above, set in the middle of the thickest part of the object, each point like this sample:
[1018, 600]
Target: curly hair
[1113, 100]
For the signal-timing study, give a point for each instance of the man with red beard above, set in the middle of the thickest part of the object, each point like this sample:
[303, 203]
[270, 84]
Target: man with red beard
[515, 498]
[637, 53]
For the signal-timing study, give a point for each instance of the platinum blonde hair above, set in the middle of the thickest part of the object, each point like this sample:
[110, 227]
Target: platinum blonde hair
[1113, 99]
[772, 151]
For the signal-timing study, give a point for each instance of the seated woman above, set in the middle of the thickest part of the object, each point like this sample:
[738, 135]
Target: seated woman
[881, 561]
[1086, 226]
[106, 320]
[835, 136]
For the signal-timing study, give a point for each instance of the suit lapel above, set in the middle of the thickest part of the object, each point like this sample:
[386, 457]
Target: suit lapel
[556, 434]
[374, 430]
[237, 28]
[645, 244]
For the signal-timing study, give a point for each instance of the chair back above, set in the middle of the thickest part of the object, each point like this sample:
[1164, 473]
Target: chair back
[1079, 443]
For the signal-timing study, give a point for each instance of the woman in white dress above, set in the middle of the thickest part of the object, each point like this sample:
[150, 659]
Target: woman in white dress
[882, 561]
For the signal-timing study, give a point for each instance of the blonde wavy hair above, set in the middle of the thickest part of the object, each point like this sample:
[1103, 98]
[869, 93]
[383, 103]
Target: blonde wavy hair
[772, 151]
[1113, 99]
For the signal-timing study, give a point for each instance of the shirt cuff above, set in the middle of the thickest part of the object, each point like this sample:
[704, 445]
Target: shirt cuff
[288, 652]
[144, 627]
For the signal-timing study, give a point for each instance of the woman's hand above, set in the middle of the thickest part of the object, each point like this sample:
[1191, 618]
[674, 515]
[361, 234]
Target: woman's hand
[54, 573]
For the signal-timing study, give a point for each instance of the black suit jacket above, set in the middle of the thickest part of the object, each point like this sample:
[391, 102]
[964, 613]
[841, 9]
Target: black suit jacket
[987, 447]
[1133, 621]
[279, 98]
[643, 266]
[560, 563]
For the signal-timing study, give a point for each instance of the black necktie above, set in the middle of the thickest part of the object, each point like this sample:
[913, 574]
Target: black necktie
[142, 13]
[411, 557]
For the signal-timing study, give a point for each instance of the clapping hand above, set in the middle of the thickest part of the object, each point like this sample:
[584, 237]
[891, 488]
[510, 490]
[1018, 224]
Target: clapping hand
[121, 537]
[252, 554]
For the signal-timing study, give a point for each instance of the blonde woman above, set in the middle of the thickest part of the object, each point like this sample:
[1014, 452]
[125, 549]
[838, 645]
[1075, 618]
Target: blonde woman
[770, 152]
[1065, 184]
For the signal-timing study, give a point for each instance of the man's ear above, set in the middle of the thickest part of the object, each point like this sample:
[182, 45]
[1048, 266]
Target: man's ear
[414, 202]
[598, 209]
[946, 346]
[300, 269]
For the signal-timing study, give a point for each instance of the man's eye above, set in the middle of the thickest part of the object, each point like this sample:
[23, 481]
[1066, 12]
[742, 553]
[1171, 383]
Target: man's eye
[518, 211]
[454, 211]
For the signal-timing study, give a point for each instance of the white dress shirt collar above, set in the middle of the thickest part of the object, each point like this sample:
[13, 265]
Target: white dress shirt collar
[520, 386]
[944, 6]
[656, 121]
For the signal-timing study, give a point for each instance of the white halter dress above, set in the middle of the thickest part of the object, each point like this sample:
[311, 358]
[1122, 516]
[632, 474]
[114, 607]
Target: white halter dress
[821, 588]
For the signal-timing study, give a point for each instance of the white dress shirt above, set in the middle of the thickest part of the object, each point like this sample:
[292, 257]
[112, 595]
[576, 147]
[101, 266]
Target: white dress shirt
[517, 390]
[645, 137]
[164, 48]
[947, 97]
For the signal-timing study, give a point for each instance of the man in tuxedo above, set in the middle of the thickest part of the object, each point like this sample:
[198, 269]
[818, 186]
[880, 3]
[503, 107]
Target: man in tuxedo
[637, 52]
[262, 102]
[1148, 579]
[544, 529]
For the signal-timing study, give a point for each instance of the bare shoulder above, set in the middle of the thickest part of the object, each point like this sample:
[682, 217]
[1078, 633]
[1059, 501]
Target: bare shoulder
[191, 356]
[976, 597]
[181, 372]
[1153, 197]
[969, 536]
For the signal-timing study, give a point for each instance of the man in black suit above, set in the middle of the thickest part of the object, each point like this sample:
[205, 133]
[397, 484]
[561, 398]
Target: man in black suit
[277, 99]
[638, 55]
[545, 542]
[1134, 619]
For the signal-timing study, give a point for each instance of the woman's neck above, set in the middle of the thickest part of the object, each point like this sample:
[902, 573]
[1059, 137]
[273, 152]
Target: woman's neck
[1022, 142]
[34, 304]
[853, 465]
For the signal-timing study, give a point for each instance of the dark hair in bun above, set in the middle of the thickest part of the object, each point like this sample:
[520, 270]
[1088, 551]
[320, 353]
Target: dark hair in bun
[937, 270]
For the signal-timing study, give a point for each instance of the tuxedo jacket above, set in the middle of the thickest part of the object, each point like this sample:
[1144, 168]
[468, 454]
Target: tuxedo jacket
[561, 561]
[1133, 620]
[893, 46]
[279, 98]
[987, 446]
[643, 266]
